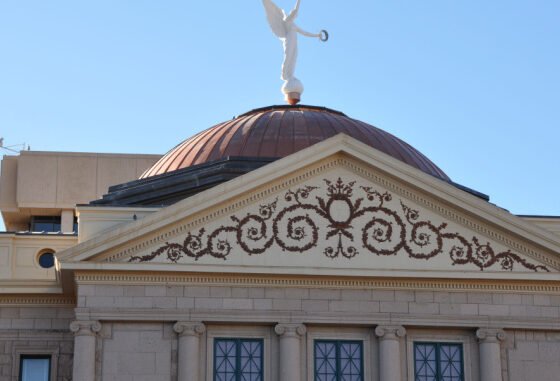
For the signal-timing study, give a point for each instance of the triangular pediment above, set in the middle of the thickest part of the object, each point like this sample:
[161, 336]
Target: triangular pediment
[338, 208]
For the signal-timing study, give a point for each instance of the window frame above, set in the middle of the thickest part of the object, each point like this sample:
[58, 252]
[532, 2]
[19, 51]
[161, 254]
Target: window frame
[452, 336]
[237, 341]
[337, 355]
[264, 333]
[370, 352]
[24, 357]
[19, 351]
[48, 220]
[438, 345]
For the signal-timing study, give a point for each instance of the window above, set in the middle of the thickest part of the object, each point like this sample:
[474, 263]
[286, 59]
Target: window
[45, 224]
[46, 259]
[35, 368]
[338, 360]
[238, 360]
[438, 362]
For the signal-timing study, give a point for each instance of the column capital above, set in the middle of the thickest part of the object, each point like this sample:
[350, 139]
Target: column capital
[85, 327]
[187, 328]
[490, 335]
[290, 330]
[390, 332]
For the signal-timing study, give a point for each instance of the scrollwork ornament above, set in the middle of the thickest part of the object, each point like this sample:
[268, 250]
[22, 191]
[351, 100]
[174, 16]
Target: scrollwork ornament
[390, 332]
[290, 330]
[85, 327]
[189, 328]
[491, 335]
[340, 221]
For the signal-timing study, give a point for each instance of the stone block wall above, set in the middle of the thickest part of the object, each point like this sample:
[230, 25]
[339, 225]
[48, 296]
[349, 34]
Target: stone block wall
[137, 352]
[533, 355]
[531, 322]
[32, 331]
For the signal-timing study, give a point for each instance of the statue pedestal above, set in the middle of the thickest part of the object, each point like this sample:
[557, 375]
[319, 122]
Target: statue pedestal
[293, 98]
[292, 89]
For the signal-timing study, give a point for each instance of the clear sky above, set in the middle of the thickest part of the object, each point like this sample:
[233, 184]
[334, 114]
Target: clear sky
[474, 85]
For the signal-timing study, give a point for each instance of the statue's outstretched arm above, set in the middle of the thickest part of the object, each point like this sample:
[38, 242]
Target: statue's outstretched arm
[308, 34]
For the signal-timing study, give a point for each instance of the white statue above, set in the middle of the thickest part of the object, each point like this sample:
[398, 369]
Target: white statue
[284, 27]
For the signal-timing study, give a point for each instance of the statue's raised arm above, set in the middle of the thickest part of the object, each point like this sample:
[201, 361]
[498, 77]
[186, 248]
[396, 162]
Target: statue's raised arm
[285, 28]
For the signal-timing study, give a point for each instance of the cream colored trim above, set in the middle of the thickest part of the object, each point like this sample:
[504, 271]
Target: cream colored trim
[256, 280]
[37, 300]
[370, 163]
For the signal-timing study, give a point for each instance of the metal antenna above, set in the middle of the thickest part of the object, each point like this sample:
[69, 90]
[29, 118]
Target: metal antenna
[11, 148]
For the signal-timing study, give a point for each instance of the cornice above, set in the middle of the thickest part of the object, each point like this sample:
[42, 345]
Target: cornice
[263, 280]
[37, 301]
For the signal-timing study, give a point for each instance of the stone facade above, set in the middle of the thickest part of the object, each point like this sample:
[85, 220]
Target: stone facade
[337, 244]
[32, 331]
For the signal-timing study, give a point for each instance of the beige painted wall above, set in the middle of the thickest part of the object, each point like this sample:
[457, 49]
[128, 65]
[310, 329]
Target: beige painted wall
[44, 183]
[19, 268]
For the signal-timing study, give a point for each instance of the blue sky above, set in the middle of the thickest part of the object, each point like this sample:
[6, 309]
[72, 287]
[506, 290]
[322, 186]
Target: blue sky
[474, 85]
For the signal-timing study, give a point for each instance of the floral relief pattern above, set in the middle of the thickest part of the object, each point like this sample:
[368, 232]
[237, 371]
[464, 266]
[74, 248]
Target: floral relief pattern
[353, 224]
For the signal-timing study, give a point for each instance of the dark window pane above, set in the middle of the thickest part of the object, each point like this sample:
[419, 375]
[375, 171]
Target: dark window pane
[45, 224]
[46, 260]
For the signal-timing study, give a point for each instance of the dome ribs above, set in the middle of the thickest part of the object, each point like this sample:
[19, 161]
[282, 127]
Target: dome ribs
[301, 132]
[286, 135]
[268, 143]
[235, 140]
[279, 131]
[211, 143]
[254, 139]
[185, 159]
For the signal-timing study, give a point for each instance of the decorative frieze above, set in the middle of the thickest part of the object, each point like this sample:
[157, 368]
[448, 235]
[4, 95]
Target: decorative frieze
[341, 219]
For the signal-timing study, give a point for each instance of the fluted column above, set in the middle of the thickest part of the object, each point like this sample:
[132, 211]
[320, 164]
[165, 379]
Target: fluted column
[490, 354]
[189, 349]
[290, 347]
[389, 351]
[84, 349]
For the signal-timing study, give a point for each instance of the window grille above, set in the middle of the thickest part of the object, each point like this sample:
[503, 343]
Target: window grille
[338, 360]
[238, 360]
[438, 362]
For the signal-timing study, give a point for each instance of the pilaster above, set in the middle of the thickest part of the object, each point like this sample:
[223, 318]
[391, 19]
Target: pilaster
[489, 340]
[189, 349]
[389, 351]
[85, 333]
[290, 348]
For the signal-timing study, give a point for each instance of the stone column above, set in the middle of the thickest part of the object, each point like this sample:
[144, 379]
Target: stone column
[390, 361]
[188, 350]
[290, 345]
[84, 349]
[490, 354]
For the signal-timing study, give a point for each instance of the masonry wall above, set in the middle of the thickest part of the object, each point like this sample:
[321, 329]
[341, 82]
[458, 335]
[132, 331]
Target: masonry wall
[531, 321]
[138, 352]
[32, 331]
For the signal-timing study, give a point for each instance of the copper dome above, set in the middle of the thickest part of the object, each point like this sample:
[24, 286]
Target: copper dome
[278, 131]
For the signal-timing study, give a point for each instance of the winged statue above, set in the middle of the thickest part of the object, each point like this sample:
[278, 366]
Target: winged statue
[284, 27]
